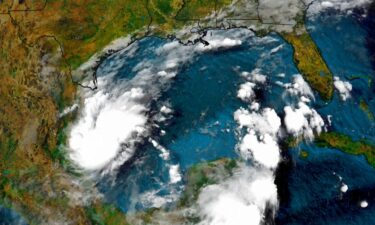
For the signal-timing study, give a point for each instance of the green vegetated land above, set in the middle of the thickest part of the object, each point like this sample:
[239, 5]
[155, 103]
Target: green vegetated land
[310, 63]
[348, 145]
[197, 178]
[365, 108]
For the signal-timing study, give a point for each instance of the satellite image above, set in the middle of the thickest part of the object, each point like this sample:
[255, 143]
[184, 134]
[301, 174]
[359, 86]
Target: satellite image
[187, 112]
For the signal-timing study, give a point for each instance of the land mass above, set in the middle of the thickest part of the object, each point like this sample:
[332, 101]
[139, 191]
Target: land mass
[42, 42]
[348, 145]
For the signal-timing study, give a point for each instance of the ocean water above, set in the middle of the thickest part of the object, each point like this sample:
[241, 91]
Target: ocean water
[310, 188]
[202, 128]
[343, 44]
[10, 217]
[203, 97]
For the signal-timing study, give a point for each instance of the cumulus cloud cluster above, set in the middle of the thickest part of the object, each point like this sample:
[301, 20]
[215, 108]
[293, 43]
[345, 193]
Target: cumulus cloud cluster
[246, 92]
[343, 87]
[300, 119]
[108, 119]
[260, 142]
[262, 126]
[244, 197]
[241, 200]
[260, 130]
[303, 121]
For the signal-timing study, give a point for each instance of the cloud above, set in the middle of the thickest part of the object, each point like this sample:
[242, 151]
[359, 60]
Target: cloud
[343, 87]
[255, 76]
[174, 174]
[344, 188]
[299, 87]
[303, 121]
[107, 121]
[276, 49]
[164, 153]
[281, 12]
[260, 142]
[246, 92]
[68, 110]
[115, 118]
[363, 204]
[263, 149]
[215, 44]
[340, 5]
[153, 199]
[241, 200]
[263, 122]
[300, 120]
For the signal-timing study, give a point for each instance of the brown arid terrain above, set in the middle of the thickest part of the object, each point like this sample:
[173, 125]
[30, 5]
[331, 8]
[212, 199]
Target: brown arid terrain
[40, 43]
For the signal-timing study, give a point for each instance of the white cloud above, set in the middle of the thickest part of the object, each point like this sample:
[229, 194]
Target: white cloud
[327, 4]
[246, 92]
[276, 49]
[154, 199]
[216, 44]
[254, 106]
[299, 87]
[166, 110]
[115, 118]
[300, 120]
[340, 5]
[260, 142]
[364, 204]
[241, 200]
[164, 152]
[263, 149]
[107, 121]
[174, 174]
[303, 121]
[68, 110]
[343, 87]
[255, 76]
[266, 121]
[344, 188]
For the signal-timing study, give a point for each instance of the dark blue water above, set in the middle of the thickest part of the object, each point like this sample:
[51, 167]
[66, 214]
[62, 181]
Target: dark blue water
[10, 217]
[310, 188]
[202, 128]
[313, 193]
[342, 41]
[203, 97]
